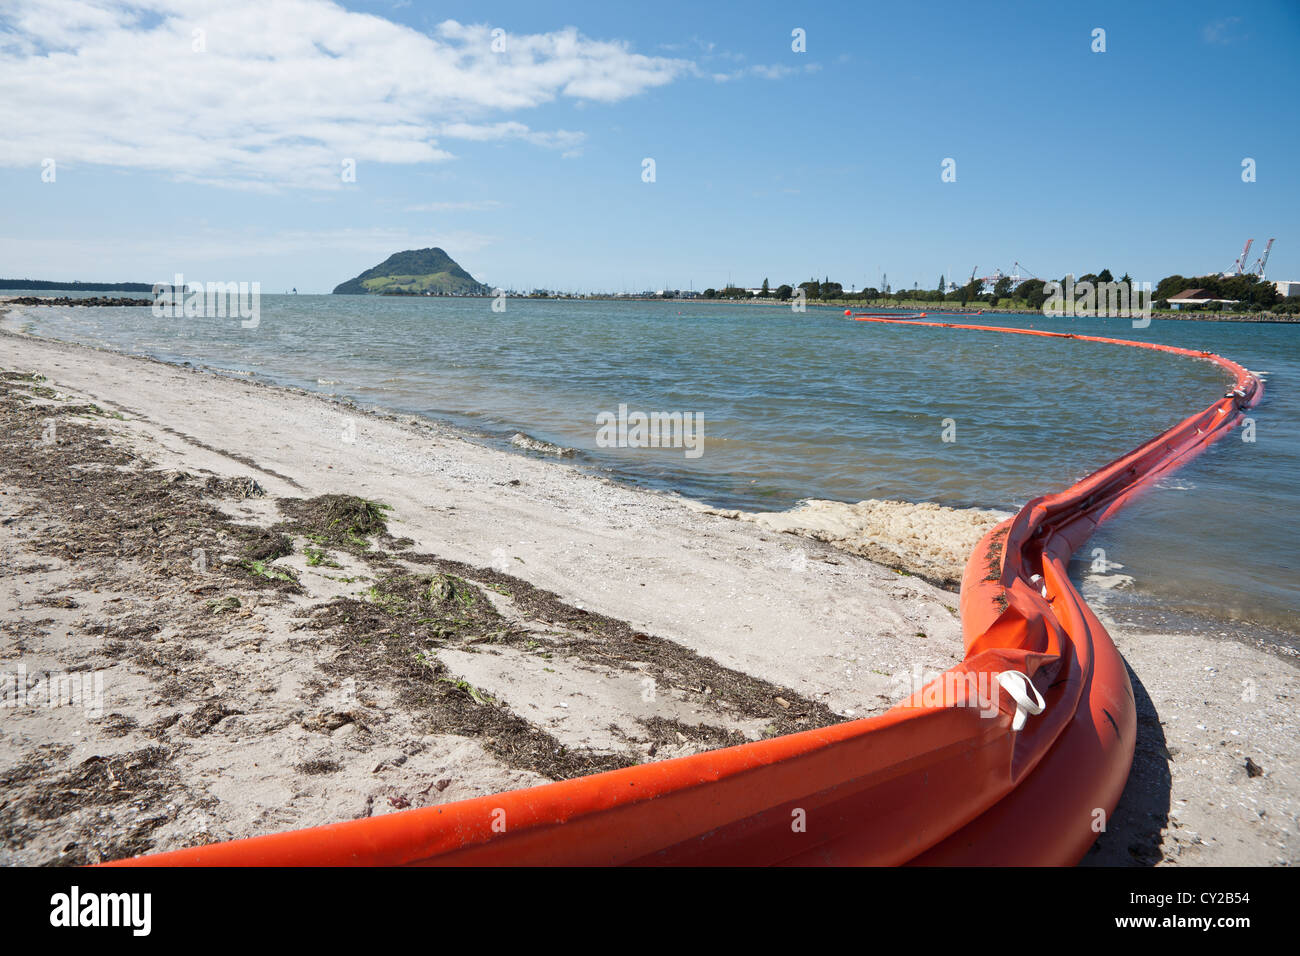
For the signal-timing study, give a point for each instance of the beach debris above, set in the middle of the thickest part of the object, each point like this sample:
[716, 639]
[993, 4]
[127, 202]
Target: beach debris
[316, 767]
[1253, 769]
[442, 588]
[388, 635]
[267, 545]
[224, 605]
[205, 717]
[328, 721]
[271, 573]
[238, 488]
[342, 521]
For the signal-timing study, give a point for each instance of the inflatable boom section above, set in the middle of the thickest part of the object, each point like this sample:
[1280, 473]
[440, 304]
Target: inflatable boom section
[1008, 758]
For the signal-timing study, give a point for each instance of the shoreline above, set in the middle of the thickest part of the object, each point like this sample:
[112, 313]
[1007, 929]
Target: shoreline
[840, 304]
[566, 594]
[935, 564]
[929, 567]
[730, 592]
[837, 304]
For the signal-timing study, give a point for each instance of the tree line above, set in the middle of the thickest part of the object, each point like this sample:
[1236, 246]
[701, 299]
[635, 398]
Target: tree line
[1252, 294]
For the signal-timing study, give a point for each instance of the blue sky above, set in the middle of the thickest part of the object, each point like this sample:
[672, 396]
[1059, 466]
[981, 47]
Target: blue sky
[526, 164]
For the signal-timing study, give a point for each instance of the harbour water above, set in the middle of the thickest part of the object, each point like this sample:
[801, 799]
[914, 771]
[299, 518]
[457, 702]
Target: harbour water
[797, 406]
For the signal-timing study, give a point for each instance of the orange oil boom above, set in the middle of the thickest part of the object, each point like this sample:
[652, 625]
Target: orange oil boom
[953, 775]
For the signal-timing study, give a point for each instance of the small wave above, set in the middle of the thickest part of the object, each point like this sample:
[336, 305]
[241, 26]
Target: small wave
[1110, 582]
[327, 381]
[520, 440]
[1175, 484]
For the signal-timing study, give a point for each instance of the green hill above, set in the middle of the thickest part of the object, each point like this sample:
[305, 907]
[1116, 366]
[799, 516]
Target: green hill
[414, 272]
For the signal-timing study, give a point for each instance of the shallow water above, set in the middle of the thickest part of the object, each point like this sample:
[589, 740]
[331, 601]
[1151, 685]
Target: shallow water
[799, 406]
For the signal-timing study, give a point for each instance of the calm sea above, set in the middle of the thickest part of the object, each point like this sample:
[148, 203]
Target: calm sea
[812, 405]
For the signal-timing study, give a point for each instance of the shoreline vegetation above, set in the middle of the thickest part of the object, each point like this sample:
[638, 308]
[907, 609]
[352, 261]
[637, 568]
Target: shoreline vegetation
[293, 630]
[1018, 308]
[1244, 297]
[1251, 292]
[45, 285]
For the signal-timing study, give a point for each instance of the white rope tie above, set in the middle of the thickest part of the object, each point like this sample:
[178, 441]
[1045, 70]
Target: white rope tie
[1015, 684]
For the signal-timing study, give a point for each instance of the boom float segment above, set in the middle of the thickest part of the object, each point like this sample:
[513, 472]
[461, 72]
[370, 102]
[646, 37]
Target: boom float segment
[941, 778]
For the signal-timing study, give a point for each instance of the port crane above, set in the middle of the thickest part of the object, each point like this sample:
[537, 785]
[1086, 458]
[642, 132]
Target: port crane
[1262, 262]
[990, 281]
[1239, 265]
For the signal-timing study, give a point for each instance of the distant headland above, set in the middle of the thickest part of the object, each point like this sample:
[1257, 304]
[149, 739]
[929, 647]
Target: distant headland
[414, 272]
[46, 285]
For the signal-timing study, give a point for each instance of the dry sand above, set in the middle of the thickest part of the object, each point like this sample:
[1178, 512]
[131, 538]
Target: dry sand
[517, 620]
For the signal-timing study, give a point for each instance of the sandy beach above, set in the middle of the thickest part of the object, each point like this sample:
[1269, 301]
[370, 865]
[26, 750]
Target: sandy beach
[302, 612]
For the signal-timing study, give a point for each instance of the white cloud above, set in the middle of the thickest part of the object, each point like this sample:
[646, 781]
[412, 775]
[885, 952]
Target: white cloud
[777, 71]
[283, 90]
[552, 139]
[1222, 32]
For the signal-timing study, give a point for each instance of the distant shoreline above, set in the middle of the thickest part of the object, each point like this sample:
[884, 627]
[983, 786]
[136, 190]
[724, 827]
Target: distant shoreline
[965, 310]
[1260, 317]
[48, 285]
[840, 304]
